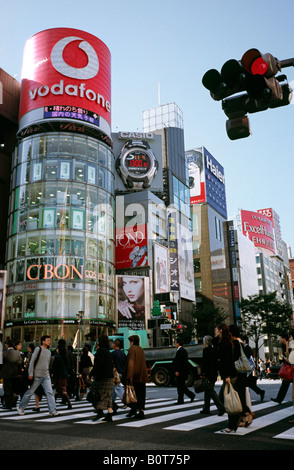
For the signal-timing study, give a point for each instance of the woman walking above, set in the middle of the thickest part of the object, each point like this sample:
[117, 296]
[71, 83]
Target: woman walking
[102, 373]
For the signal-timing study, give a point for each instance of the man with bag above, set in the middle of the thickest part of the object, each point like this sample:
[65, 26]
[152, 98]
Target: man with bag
[181, 368]
[39, 371]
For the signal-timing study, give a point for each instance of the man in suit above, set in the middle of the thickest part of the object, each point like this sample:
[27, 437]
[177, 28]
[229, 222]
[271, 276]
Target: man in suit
[181, 369]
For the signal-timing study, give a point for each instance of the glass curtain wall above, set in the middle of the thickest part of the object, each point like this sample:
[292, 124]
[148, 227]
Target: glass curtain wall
[60, 250]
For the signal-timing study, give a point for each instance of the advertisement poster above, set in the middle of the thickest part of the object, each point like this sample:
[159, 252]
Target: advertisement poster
[131, 301]
[161, 269]
[259, 229]
[186, 267]
[131, 247]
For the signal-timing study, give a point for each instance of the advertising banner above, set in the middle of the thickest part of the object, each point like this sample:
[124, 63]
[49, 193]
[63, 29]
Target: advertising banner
[206, 180]
[66, 74]
[161, 269]
[186, 267]
[259, 229]
[131, 301]
[131, 247]
[173, 252]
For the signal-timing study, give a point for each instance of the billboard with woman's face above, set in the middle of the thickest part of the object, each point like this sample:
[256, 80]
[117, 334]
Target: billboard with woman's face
[131, 302]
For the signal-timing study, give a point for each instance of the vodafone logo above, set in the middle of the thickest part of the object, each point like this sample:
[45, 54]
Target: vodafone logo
[83, 73]
[67, 67]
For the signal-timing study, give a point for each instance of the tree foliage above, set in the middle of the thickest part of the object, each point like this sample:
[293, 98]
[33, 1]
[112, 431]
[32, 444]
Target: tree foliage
[206, 317]
[264, 316]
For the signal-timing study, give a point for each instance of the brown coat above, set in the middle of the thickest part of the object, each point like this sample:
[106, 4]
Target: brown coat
[136, 369]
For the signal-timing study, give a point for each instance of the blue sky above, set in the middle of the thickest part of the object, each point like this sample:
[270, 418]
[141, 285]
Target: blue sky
[174, 43]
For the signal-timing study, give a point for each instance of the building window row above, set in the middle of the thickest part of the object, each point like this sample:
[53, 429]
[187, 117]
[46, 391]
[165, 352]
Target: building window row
[63, 144]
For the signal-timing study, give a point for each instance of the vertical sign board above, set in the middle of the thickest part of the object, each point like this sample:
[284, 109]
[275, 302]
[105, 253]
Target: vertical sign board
[234, 270]
[173, 252]
[66, 76]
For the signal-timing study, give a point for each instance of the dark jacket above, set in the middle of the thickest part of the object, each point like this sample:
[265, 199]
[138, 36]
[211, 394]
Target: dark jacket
[103, 365]
[180, 363]
[12, 362]
[210, 364]
[226, 364]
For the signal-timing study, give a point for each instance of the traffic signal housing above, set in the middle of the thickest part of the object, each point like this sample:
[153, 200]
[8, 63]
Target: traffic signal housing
[248, 86]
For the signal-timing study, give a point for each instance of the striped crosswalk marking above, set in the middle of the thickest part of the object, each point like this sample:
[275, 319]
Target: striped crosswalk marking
[158, 411]
[207, 421]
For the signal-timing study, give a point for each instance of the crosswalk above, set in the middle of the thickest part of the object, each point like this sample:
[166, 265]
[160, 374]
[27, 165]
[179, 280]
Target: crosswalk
[165, 413]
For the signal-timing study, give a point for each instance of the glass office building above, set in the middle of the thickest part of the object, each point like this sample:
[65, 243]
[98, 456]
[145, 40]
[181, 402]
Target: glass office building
[60, 250]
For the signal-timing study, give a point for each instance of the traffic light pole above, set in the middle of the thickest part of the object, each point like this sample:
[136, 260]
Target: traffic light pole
[287, 63]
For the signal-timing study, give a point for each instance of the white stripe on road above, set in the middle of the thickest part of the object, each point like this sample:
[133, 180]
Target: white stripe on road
[289, 434]
[200, 423]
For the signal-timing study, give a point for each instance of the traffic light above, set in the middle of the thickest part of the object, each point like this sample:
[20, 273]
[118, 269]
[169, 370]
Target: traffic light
[248, 86]
[232, 79]
[263, 68]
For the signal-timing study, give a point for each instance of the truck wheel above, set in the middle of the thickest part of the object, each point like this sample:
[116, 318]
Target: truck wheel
[161, 377]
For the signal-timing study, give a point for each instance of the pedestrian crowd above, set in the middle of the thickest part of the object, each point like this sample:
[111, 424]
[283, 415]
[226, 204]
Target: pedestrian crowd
[223, 356]
[110, 373]
[106, 374]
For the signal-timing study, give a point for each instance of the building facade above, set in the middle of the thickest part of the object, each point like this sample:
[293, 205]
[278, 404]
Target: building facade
[60, 247]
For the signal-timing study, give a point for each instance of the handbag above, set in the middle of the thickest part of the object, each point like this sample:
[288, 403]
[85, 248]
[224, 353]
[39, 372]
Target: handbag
[202, 385]
[232, 402]
[129, 395]
[93, 395]
[242, 364]
[286, 372]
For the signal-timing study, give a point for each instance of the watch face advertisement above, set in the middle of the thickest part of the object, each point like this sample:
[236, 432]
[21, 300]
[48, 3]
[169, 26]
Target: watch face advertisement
[138, 161]
[131, 301]
[66, 75]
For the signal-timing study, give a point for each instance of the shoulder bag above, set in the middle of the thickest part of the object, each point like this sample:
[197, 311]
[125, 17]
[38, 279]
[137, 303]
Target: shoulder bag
[129, 395]
[242, 364]
[232, 402]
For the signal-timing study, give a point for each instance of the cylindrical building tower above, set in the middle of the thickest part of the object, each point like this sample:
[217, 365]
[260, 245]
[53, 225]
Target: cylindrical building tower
[60, 250]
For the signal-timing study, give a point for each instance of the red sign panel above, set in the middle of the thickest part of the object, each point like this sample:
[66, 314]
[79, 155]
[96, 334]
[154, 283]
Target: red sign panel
[65, 67]
[131, 247]
[259, 229]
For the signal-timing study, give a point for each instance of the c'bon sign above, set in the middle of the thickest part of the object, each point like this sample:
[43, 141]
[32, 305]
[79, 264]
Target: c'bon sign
[66, 75]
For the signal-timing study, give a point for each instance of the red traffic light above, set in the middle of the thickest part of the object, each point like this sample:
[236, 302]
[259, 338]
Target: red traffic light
[260, 64]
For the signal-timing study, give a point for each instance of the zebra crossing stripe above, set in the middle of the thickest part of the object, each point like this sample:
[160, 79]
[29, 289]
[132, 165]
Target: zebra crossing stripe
[207, 421]
[266, 420]
[289, 434]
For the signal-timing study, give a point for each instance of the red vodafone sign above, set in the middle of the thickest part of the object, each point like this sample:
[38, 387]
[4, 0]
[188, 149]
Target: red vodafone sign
[66, 74]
